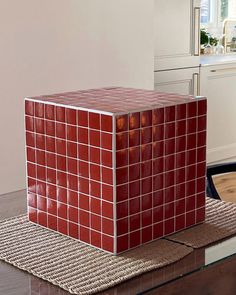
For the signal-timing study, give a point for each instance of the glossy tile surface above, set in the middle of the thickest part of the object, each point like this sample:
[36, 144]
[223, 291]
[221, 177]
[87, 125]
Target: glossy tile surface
[116, 168]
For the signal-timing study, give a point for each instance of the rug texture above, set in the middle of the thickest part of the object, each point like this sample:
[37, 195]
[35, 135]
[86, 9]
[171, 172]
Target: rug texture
[74, 266]
[220, 223]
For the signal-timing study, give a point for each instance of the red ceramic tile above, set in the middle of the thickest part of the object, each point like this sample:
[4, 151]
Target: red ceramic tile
[192, 109]
[39, 110]
[94, 121]
[158, 214]
[84, 218]
[134, 137]
[201, 154]
[190, 188]
[95, 155]
[83, 202]
[121, 123]
[29, 123]
[83, 152]
[107, 158]
[82, 135]
[83, 168]
[61, 130]
[42, 218]
[169, 210]
[158, 230]
[201, 184]
[71, 133]
[71, 116]
[39, 126]
[30, 139]
[41, 188]
[52, 222]
[158, 132]
[31, 184]
[134, 172]
[61, 163]
[106, 123]
[73, 214]
[190, 219]
[146, 201]
[49, 112]
[94, 138]
[50, 144]
[122, 158]
[41, 173]
[181, 112]
[121, 175]
[134, 155]
[191, 157]
[169, 178]
[170, 114]
[181, 144]
[192, 125]
[122, 243]
[31, 170]
[202, 107]
[106, 141]
[158, 198]
[146, 185]
[51, 191]
[95, 189]
[180, 206]
[147, 234]
[107, 192]
[180, 175]
[60, 114]
[146, 168]
[32, 213]
[170, 130]
[29, 108]
[107, 209]
[191, 141]
[73, 230]
[52, 207]
[134, 205]
[158, 182]
[201, 138]
[107, 175]
[84, 234]
[40, 141]
[61, 147]
[146, 152]
[61, 179]
[96, 222]
[122, 226]
[146, 135]
[108, 226]
[180, 222]
[201, 123]
[200, 214]
[134, 121]
[83, 185]
[146, 218]
[181, 127]
[158, 149]
[200, 200]
[73, 198]
[30, 154]
[135, 222]
[169, 163]
[107, 243]
[82, 118]
[135, 239]
[191, 172]
[169, 226]
[62, 195]
[134, 189]
[62, 226]
[122, 209]
[122, 192]
[72, 166]
[95, 172]
[158, 116]
[32, 200]
[190, 203]
[170, 146]
[96, 239]
[51, 176]
[72, 182]
[121, 140]
[169, 194]
[146, 118]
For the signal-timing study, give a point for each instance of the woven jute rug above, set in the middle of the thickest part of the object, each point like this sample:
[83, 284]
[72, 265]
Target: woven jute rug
[220, 223]
[76, 267]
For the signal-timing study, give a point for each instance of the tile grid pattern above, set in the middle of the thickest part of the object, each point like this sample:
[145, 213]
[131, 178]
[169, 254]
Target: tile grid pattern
[116, 181]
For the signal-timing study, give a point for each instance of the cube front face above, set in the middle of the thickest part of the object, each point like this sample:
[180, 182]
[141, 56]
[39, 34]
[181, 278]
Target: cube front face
[116, 180]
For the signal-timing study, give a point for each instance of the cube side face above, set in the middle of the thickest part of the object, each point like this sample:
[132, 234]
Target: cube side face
[70, 172]
[160, 172]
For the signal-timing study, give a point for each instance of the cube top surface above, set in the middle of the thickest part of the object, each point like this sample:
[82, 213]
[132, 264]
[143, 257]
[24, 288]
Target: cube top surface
[114, 100]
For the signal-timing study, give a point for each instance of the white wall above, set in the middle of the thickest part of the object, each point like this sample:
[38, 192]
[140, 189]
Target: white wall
[48, 46]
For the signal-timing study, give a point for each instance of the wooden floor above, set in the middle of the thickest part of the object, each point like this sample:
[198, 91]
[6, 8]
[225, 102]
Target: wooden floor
[226, 186]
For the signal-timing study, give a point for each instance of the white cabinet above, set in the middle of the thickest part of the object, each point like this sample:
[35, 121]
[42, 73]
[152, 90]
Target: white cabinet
[182, 81]
[218, 84]
[176, 31]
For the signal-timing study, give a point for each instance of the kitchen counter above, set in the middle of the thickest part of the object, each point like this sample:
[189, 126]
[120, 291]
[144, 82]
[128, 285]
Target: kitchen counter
[210, 60]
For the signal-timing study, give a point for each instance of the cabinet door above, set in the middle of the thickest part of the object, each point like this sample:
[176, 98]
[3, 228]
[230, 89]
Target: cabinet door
[218, 84]
[184, 81]
[176, 31]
